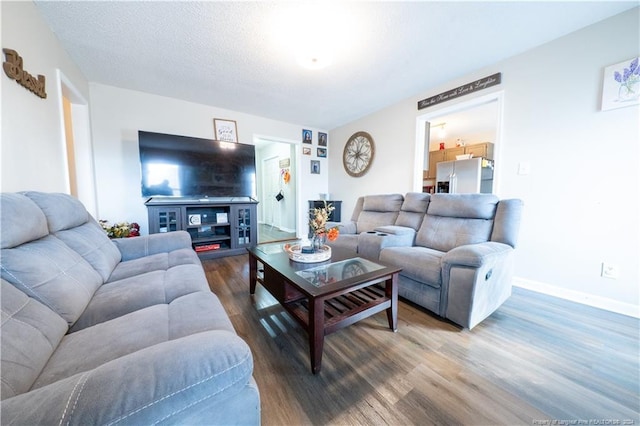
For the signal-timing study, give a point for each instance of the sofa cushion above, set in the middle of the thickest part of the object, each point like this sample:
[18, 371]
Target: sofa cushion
[69, 220]
[378, 210]
[418, 263]
[453, 220]
[21, 220]
[154, 262]
[475, 206]
[413, 209]
[29, 332]
[85, 350]
[62, 210]
[118, 298]
[50, 272]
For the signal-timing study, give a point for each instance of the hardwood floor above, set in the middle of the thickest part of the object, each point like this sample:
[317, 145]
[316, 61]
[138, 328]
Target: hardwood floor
[538, 359]
[268, 233]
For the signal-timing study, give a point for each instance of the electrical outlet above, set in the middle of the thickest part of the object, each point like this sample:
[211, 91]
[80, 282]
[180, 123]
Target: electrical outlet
[609, 270]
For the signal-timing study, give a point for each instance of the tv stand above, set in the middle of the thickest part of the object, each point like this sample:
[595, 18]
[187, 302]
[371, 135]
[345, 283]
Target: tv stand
[219, 226]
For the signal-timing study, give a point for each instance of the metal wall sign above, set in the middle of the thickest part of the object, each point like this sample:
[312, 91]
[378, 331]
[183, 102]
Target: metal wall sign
[14, 69]
[465, 89]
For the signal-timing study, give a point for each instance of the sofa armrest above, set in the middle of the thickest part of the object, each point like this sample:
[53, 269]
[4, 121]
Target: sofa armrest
[475, 255]
[168, 382]
[370, 244]
[476, 280]
[134, 248]
[347, 227]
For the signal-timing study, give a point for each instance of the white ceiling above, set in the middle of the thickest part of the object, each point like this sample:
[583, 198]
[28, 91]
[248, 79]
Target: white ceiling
[234, 55]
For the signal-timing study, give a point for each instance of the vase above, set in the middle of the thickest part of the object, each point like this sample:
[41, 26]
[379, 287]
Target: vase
[318, 242]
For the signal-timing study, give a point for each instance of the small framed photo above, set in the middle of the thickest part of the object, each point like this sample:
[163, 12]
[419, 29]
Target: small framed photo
[307, 136]
[222, 218]
[322, 139]
[315, 167]
[225, 130]
[322, 152]
[306, 150]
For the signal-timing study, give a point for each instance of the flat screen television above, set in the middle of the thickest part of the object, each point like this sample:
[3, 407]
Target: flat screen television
[182, 166]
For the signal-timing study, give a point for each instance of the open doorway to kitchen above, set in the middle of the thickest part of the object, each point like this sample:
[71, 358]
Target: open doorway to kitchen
[465, 126]
[276, 189]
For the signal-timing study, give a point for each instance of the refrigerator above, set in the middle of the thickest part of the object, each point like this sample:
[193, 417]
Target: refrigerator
[474, 175]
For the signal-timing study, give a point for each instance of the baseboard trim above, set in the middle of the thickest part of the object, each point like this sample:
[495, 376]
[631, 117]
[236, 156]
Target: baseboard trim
[579, 297]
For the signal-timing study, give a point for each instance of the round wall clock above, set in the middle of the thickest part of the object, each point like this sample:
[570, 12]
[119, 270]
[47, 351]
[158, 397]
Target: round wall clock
[358, 154]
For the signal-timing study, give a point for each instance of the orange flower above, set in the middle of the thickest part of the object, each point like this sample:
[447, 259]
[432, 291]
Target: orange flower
[333, 234]
[286, 176]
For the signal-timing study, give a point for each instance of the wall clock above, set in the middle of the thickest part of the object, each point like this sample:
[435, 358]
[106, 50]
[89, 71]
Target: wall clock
[358, 154]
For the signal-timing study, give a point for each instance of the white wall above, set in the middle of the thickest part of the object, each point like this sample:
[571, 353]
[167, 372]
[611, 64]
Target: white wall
[117, 115]
[33, 145]
[581, 198]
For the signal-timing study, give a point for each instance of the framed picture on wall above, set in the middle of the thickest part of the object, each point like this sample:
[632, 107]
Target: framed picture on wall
[306, 150]
[322, 152]
[621, 84]
[322, 139]
[307, 136]
[315, 167]
[225, 130]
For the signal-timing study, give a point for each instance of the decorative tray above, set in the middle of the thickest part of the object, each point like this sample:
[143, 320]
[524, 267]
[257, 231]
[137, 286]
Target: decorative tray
[295, 253]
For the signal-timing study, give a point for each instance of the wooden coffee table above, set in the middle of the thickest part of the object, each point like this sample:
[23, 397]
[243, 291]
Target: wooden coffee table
[325, 297]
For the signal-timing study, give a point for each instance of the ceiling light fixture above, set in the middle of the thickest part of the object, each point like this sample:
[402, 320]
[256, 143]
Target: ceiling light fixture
[295, 30]
[441, 132]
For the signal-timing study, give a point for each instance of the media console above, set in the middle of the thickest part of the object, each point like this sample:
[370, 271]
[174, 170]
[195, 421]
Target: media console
[219, 226]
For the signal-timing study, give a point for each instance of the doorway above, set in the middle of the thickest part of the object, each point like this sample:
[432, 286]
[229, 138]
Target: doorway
[77, 145]
[475, 121]
[276, 189]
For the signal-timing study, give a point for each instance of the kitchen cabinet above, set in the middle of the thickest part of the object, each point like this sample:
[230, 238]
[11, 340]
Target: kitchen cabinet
[484, 149]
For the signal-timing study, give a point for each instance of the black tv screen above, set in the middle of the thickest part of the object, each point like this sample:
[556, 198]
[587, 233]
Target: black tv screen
[182, 166]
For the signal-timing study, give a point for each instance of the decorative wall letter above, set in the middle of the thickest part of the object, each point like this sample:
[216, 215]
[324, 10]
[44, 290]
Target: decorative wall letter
[15, 71]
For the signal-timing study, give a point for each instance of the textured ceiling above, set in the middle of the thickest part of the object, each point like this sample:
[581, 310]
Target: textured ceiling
[239, 55]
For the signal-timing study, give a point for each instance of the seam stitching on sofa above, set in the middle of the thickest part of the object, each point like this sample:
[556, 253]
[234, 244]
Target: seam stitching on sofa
[85, 376]
[7, 384]
[29, 291]
[195, 402]
[13, 318]
[240, 362]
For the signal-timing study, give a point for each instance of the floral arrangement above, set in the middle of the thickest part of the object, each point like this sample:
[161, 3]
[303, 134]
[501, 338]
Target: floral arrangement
[318, 222]
[121, 229]
[628, 79]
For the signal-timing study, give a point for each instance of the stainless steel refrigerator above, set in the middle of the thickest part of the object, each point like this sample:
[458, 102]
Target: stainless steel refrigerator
[465, 176]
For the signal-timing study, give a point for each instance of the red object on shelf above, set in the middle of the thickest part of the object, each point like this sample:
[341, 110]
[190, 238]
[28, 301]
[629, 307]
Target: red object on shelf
[208, 247]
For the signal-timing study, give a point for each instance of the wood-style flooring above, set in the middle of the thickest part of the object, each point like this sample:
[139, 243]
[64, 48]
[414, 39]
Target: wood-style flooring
[537, 360]
[268, 233]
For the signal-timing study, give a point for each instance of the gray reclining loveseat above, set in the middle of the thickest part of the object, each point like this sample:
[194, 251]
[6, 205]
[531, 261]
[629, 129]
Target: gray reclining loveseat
[96, 331]
[455, 250]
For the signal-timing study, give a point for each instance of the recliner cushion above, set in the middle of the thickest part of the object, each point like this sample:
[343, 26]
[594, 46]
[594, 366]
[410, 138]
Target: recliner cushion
[85, 350]
[21, 220]
[418, 263]
[378, 210]
[68, 220]
[50, 272]
[30, 333]
[413, 209]
[453, 220]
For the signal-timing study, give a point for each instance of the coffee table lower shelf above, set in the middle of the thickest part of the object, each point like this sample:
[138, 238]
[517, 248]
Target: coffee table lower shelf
[343, 310]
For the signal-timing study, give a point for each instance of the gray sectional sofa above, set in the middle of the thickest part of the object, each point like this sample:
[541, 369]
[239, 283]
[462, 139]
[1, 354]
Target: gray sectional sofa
[455, 250]
[96, 331]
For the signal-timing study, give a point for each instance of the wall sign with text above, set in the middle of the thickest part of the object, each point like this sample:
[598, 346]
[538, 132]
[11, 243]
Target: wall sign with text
[465, 89]
[14, 69]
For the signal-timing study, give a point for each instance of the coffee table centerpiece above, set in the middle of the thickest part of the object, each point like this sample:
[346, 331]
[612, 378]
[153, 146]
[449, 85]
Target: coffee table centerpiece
[317, 250]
